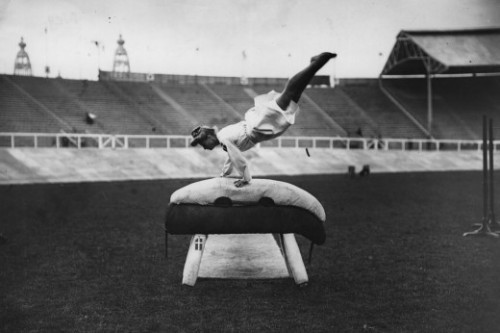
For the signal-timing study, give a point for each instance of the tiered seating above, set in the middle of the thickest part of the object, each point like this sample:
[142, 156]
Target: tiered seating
[31, 104]
[150, 105]
[392, 123]
[313, 123]
[200, 104]
[344, 111]
[454, 105]
[21, 114]
[470, 99]
[113, 113]
[53, 95]
[235, 96]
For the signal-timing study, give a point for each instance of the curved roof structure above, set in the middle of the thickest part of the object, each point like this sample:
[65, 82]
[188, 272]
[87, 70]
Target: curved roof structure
[445, 52]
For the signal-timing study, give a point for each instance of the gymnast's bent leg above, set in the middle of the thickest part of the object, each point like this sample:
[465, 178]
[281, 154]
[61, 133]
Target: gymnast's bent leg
[298, 83]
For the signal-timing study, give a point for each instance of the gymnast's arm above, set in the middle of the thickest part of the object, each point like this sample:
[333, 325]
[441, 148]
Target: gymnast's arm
[227, 168]
[239, 162]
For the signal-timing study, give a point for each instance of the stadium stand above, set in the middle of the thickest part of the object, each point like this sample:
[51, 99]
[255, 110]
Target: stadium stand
[470, 98]
[200, 104]
[391, 122]
[113, 113]
[344, 111]
[129, 98]
[19, 113]
[395, 106]
[458, 104]
[147, 103]
[455, 93]
[33, 104]
[53, 97]
[235, 96]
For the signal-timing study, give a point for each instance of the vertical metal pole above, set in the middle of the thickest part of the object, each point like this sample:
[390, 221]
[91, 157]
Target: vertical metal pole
[429, 98]
[485, 230]
[491, 178]
[485, 168]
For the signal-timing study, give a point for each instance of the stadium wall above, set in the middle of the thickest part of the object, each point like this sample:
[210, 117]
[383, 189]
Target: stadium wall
[31, 165]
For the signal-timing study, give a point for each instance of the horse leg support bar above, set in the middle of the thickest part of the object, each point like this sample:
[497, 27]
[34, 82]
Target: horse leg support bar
[193, 259]
[294, 259]
[244, 256]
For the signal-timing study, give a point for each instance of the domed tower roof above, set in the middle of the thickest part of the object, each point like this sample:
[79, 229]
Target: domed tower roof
[22, 65]
[121, 62]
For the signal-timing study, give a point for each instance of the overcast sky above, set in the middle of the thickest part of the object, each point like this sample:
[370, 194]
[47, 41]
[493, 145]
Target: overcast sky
[272, 38]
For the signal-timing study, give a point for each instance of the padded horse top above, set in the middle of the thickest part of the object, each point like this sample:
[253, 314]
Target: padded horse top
[216, 206]
[205, 192]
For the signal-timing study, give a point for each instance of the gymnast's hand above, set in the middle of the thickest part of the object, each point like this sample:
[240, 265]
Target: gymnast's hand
[240, 183]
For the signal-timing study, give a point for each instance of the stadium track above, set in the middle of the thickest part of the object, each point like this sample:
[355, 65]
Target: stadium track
[89, 257]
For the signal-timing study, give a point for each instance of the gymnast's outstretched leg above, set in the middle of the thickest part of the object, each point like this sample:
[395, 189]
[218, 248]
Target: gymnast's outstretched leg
[298, 83]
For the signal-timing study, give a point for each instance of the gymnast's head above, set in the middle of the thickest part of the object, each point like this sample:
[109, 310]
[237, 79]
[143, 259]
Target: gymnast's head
[205, 136]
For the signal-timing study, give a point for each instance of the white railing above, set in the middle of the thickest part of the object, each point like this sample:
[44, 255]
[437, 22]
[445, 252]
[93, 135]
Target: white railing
[104, 141]
[100, 141]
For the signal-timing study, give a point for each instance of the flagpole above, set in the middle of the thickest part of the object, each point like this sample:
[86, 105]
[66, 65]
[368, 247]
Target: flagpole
[243, 79]
[47, 68]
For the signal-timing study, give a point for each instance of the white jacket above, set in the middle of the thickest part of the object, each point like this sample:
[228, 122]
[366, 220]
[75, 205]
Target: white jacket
[265, 121]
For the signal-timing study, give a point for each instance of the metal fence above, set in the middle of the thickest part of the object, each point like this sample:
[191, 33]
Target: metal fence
[106, 141]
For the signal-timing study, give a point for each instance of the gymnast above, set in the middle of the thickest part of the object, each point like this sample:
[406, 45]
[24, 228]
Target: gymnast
[271, 116]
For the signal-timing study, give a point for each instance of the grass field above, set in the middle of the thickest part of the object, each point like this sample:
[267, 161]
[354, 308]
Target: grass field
[90, 258]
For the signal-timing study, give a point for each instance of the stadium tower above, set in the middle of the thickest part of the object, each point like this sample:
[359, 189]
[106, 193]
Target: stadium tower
[22, 65]
[121, 63]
